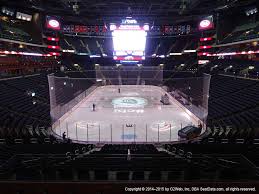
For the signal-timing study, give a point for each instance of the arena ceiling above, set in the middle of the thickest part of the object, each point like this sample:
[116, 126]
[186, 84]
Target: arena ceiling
[112, 10]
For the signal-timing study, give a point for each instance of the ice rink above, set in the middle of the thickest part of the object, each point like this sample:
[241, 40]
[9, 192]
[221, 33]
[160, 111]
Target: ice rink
[133, 115]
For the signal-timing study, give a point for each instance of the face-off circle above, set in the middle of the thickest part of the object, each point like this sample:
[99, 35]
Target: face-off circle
[129, 102]
[163, 125]
[87, 124]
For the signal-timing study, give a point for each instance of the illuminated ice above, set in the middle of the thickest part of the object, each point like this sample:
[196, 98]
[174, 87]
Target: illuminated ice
[133, 115]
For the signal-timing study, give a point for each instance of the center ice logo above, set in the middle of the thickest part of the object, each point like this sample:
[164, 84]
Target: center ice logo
[129, 102]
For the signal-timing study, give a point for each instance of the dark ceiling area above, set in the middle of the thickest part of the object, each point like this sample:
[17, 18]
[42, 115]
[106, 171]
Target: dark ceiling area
[159, 11]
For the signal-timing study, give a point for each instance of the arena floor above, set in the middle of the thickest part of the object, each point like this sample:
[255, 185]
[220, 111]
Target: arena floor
[133, 115]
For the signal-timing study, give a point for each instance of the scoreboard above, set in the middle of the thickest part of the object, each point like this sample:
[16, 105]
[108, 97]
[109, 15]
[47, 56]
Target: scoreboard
[129, 40]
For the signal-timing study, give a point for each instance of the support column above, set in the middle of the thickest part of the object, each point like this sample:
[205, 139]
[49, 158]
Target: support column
[75, 174]
[130, 175]
[91, 175]
[112, 175]
[57, 175]
[146, 175]
[164, 175]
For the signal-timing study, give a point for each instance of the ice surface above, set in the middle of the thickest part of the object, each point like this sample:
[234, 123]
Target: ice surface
[133, 115]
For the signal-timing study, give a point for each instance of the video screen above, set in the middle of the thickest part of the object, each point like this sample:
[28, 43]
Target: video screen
[129, 42]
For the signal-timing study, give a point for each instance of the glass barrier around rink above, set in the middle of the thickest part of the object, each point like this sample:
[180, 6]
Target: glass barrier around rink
[192, 93]
[130, 75]
[95, 132]
[66, 93]
[188, 106]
